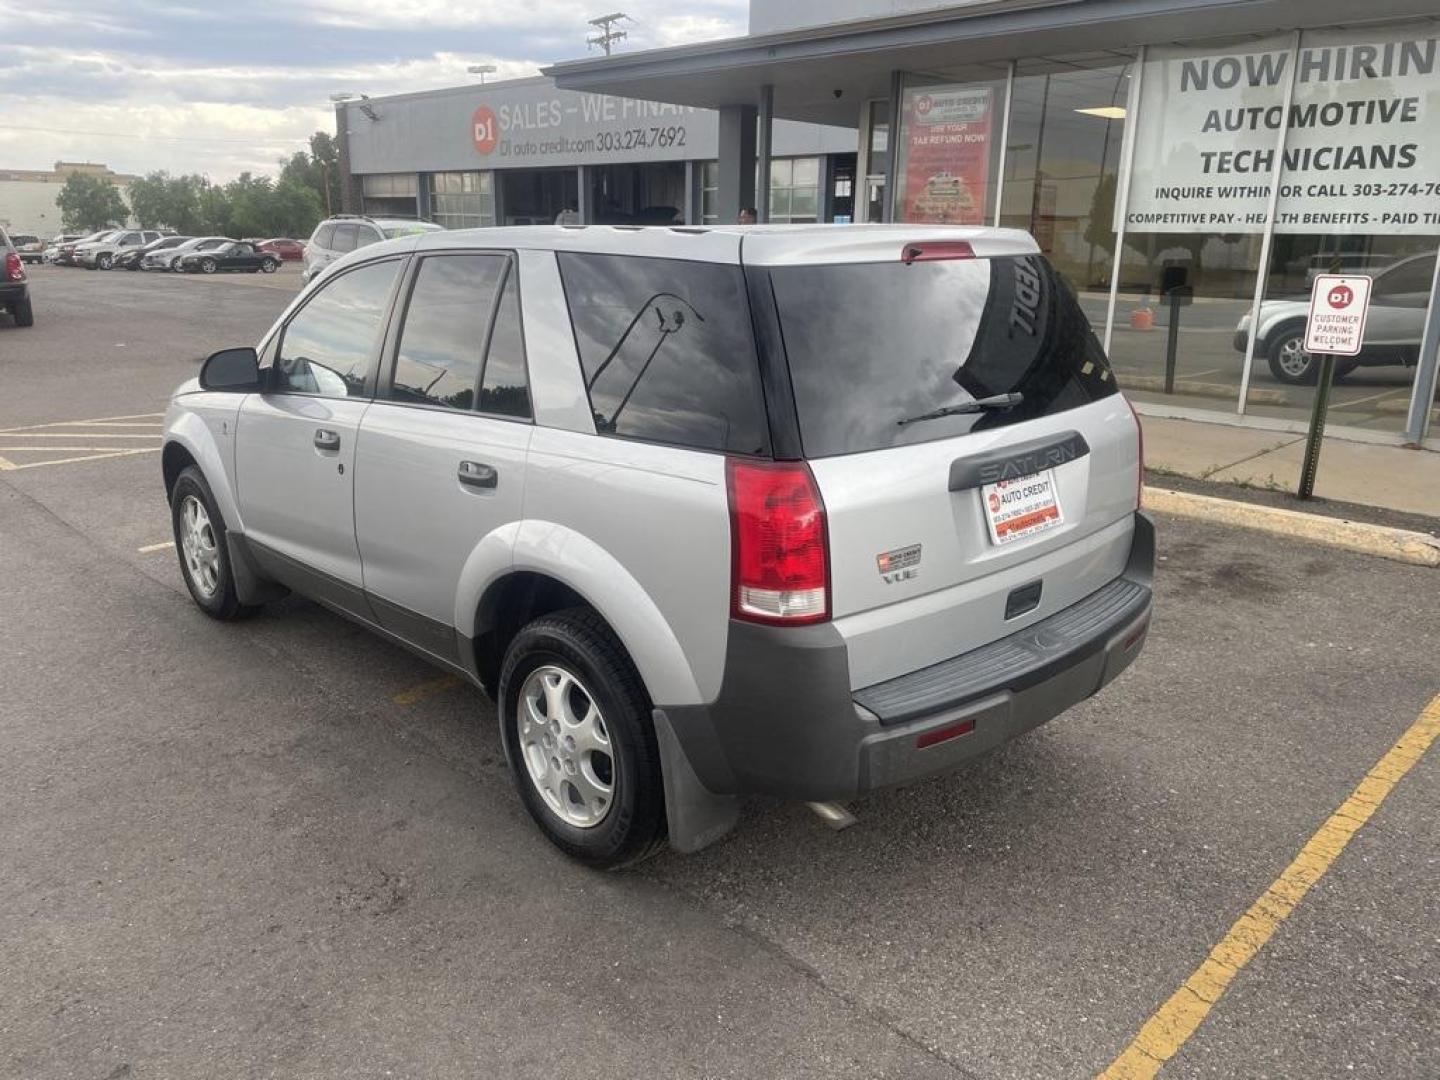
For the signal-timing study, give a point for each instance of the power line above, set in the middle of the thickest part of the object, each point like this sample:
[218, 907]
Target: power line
[152, 138]
[608, 35]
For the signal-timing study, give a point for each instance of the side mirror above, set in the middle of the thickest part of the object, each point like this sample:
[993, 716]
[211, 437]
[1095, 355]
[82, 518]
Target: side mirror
[235, 370]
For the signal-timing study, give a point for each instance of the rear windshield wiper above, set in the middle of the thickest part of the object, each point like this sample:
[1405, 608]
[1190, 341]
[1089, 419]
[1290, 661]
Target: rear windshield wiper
[999, 401]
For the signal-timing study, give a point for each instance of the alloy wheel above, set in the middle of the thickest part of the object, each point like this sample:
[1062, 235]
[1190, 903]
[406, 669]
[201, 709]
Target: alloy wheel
[1293, 359]
[197, 544]
[566, 746]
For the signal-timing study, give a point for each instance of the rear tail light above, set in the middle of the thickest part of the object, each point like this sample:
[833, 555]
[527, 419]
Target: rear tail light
[1140, 452]
[14, 268]
[780, 562]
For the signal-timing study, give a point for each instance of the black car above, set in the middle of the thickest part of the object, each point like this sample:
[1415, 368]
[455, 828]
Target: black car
[14, 289]
[129, 259]
[237, 255]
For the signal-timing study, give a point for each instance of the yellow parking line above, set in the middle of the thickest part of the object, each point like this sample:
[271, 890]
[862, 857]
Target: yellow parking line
[149, 548]
[1174, 1022]
[88, 457]
[4, 465]
[426, 689]
[31, 434]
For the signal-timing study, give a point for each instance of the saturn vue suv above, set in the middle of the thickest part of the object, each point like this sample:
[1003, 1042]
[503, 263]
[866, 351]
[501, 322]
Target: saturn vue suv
[796, 511]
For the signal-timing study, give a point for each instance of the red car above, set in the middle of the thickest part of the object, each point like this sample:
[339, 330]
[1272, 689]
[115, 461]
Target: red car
[288, 250]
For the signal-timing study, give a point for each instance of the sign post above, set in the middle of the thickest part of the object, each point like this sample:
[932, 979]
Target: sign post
[1335, 327]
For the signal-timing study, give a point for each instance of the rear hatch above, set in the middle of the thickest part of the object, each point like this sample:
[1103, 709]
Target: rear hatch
[948, 532]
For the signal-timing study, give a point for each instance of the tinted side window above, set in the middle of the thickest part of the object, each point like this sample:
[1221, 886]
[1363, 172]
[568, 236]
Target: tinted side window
[666, 350]
[506, 388]
[443, 339]
[366, 234]
[327, 346]
[345, 236]
[1411, 277]
[324, 236]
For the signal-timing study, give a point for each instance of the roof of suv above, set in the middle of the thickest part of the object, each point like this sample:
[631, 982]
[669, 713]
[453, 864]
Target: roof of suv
[764, 245]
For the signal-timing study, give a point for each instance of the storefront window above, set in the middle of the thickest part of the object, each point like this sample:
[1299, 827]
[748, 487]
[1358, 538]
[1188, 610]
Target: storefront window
[1352, 166]
[390, 193]
[1062, 161]
[795, 190]
[709, 192]
[462, 200]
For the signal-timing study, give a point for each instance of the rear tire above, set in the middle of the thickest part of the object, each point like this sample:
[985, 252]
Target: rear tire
[269, 266]
[580, 741]
[23, 311]
[200, 542]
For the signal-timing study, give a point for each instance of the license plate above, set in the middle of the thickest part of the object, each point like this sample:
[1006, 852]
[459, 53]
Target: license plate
[1023, 507]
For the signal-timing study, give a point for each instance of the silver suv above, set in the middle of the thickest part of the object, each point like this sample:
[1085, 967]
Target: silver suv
[339, 235]
[797, 511]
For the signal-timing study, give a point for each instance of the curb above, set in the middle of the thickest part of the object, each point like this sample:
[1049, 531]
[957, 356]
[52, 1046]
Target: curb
[1399, 545]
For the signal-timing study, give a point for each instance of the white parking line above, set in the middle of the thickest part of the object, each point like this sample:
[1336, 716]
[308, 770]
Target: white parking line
[11, 466]
[151, 548]
[91, 420]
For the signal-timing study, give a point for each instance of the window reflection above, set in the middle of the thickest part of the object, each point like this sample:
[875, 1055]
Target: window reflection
[327, 347]
[444, 335]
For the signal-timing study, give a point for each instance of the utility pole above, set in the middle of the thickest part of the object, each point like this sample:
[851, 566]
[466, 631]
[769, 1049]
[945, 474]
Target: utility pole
[608, 35]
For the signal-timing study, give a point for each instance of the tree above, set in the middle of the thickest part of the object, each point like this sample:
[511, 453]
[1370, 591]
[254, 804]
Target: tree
[89, 203]
[147, 200]
[318, 170]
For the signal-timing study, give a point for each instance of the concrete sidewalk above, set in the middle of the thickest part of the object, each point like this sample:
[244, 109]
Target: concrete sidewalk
[1387, 476]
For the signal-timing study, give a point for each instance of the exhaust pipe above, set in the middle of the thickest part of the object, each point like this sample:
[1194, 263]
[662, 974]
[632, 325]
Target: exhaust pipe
[833, 815]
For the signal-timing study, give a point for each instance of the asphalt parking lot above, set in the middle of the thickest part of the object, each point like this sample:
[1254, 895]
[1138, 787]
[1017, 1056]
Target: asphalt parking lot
[284, 848]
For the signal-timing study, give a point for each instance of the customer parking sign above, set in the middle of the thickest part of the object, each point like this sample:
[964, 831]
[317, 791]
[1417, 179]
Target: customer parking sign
[1338, 306]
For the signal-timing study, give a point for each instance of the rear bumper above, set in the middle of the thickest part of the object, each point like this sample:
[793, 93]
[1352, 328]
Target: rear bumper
[786, 723]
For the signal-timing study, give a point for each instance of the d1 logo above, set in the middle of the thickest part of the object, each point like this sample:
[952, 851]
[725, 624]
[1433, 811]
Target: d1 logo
[485, 129]
[1340, 297]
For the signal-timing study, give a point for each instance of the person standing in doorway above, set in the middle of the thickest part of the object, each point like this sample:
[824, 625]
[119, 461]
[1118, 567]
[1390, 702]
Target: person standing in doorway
[748, 216]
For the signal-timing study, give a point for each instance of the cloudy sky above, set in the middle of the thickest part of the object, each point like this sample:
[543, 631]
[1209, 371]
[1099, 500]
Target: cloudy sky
[220, 86]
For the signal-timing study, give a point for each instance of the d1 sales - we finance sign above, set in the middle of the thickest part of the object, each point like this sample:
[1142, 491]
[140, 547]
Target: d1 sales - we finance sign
[945, 146]
[1362, 144]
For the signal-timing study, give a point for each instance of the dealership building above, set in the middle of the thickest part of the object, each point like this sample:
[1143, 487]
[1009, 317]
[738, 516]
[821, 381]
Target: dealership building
[1188, 165]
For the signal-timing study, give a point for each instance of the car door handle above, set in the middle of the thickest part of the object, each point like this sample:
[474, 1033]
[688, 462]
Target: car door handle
[327, 440]
[478, 475]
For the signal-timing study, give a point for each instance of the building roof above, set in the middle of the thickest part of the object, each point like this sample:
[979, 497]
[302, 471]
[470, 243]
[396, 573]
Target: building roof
[824, 74]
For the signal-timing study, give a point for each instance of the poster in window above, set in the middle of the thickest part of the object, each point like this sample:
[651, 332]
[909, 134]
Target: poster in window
[945, 163]
[1359, 154]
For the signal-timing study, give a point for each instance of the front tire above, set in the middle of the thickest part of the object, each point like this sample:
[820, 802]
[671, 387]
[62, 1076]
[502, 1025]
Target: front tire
[580, 741]
[1289, 362]
[104, 262]
[209, 266]
[269, 266]
[200, 542]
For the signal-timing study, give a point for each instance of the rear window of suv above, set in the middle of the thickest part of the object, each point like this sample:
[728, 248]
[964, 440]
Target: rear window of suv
[667, 351]
[872, 344]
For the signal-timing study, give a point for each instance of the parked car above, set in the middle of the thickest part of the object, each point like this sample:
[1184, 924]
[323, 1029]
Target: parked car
[52, 249]
[1393, 328]
[131, 258]
[65, 253]
[101, 254]
[344, 233]
[796, 511]
[169, 258]
[288, 250]
[14, 288]
[237, 255]
[30, 248]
